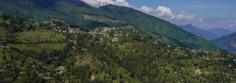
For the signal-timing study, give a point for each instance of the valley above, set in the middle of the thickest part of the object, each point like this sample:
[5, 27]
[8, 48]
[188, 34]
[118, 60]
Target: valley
[122, 54]
[70, 41]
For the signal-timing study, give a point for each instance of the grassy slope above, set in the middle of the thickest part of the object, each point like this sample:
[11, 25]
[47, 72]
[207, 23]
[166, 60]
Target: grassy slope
[40, 34]
[1, 56]
[3, 33]
[110, 55]
[39, 47]
[165, 63]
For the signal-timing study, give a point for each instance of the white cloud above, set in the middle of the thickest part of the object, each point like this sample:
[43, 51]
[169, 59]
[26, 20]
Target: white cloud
[92, 2]
[170, 15]
[146, 9]
[97, 3]
[185, 17]
[229, 24]
[161, 11]
[182, 17]
[165, 12]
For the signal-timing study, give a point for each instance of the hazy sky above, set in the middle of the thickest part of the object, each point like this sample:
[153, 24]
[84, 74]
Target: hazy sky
[204, 8]
[215, 13]
[202, 13]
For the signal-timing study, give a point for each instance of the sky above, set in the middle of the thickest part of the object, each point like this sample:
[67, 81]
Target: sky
[205, 14]
[205, 8]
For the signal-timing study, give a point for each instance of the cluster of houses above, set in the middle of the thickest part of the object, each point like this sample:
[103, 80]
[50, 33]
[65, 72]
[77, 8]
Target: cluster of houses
[2, 44]
[59, 28]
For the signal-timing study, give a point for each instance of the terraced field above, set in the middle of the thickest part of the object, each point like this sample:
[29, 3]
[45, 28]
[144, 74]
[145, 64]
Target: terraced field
[41, 34]
[39, 47]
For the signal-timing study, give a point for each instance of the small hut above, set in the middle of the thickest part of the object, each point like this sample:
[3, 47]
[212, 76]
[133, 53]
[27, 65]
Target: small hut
[2, 44]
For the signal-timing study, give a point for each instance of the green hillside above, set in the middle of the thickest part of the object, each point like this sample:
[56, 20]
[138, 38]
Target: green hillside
[159, 28]
[71, 11]
[62, 53]
[227, 42]
[78, 13]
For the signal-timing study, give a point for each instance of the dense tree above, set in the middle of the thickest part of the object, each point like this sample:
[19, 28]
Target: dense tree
[121, 54]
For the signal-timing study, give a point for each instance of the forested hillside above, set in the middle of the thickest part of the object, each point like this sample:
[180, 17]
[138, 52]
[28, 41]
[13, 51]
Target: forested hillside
[227, 42]
[78, 13]
[74, 12]
[161, 29]
[53, 51]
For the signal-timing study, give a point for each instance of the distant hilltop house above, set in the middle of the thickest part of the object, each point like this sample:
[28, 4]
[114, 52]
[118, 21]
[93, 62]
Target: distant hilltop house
[61, 28]
[71, 31]
[2, 44]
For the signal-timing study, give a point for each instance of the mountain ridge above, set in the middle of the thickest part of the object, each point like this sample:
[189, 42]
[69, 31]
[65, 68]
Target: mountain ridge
[227, 42]
[156, 26]
[81, 14]
[220, 32]
[199, 32]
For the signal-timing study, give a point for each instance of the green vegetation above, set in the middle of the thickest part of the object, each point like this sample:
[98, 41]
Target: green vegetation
[3, 33]
[165, 31]
[1, 56]
[40, 34]
[78, 13]
[71, 11]
[121, 54]
[227, 42]
[39, 47]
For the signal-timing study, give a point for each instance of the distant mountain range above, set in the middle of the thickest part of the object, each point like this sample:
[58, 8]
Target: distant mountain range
[76, 12]
[222, 38]
[207, 34]
[220, 32]
[199, 32]
[227, 42]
